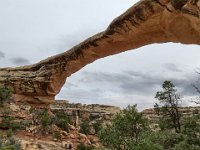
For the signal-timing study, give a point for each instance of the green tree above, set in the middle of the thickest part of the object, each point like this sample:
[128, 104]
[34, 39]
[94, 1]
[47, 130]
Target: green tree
[126, 130]
[169, 102]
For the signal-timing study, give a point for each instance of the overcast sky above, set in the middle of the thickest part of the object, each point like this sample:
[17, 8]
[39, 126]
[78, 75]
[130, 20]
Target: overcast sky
[31, 30]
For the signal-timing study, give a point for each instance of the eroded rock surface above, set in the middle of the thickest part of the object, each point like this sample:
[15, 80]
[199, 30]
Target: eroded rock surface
[147, 22]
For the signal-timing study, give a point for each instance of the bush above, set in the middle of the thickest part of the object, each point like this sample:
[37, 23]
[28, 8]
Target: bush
[58, 118]
[165, 139]
[46, 120]
[84, 127]
[19, 125]
[129, 130]
[83, 147]
[5, 94]
[61, 120]
[185, 146]
[9, 144]
[165, 124]
[43, 117]
[9, 133]
[9, 123]
[191, 130]
[148, 145]
[126, 130]
[97, 126]
[6, 122]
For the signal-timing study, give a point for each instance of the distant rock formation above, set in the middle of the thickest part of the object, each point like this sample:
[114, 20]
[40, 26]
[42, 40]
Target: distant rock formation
[97, 111]
[185, 112]
[147, 22]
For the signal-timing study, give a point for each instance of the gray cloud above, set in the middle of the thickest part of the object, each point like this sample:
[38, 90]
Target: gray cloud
[172, 67]
[2, 55]
[131, 82]
[20, 61]
[128, 87]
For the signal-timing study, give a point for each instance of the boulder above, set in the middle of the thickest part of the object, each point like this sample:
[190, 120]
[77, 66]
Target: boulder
[71, 127]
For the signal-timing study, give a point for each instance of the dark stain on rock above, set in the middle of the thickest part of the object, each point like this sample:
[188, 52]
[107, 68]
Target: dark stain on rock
[178, 4]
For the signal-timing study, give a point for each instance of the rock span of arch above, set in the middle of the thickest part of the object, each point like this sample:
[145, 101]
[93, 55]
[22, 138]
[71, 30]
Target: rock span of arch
[146, 22]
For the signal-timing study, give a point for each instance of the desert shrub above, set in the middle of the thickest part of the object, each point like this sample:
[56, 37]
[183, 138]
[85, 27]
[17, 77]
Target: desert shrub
[85, 127]
[45, 120]
[126, 130]
[81, 146]
[185, 146]
[61, 120]
[164, 124]
[9, 147]
[6, 122]
[9, 133]
[191, 130]
[18, 125]
[63, 124]
[97, 126]
[58, 118]
[129, 130]
[148, 145]
[5, 94]
[9, 123]
[165, 139]
[9, 144]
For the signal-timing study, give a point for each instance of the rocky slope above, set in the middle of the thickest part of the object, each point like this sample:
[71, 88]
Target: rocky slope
[167, 20]
[30, 132]
[63, 126]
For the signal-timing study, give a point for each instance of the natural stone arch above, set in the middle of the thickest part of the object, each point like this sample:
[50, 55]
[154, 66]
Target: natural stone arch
[147, 22]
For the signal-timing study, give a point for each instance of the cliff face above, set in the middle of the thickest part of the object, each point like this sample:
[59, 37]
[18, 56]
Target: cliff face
[94, 111]
[185, 112]
[147, 22]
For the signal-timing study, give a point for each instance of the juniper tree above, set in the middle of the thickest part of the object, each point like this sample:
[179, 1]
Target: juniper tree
[168, 106]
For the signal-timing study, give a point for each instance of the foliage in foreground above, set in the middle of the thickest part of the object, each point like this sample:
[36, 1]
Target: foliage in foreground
[126, 130]
[129, 131]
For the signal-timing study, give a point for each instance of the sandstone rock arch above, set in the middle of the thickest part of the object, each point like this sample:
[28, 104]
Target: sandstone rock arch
[147, 22]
